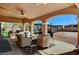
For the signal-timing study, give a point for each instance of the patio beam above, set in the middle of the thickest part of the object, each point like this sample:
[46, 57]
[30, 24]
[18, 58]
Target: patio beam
[10, 19]
[13, 19]
[69, 10]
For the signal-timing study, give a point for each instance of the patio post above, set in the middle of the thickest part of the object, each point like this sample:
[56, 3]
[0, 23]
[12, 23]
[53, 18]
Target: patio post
[31, 27]
[45, 27]
[78, 33]
[45, 40]
[77, 45]
[23, 27]
[42, 42]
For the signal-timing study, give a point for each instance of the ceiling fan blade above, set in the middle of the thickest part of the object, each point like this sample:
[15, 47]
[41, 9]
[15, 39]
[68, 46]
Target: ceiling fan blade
[19, 9]
[3, 8]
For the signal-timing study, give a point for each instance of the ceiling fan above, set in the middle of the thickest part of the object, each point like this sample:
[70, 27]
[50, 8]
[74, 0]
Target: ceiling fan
[22, 13]
[20, 10]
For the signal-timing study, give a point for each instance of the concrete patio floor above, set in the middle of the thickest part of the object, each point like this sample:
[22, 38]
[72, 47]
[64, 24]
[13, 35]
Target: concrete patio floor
[58, 47]
[69, 37]
[64, 42]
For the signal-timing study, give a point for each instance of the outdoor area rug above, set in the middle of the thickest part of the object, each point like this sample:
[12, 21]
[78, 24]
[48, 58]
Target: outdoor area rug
[59, 47]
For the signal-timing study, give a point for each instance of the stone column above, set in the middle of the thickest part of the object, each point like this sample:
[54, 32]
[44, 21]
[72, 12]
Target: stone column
[77, 45]
[78, 33]
[23, 27]
[31, 28]
[42, 42]
[45, 28]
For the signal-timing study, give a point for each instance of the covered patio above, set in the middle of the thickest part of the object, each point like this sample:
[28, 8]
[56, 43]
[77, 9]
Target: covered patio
[30, 12]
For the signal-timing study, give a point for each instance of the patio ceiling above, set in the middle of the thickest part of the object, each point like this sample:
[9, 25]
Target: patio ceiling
[27, 12]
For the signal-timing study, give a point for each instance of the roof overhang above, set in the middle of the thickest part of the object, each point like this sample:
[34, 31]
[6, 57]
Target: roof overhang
[32, 11]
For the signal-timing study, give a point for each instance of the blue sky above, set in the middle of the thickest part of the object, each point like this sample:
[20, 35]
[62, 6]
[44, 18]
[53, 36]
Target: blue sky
[62, 20]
